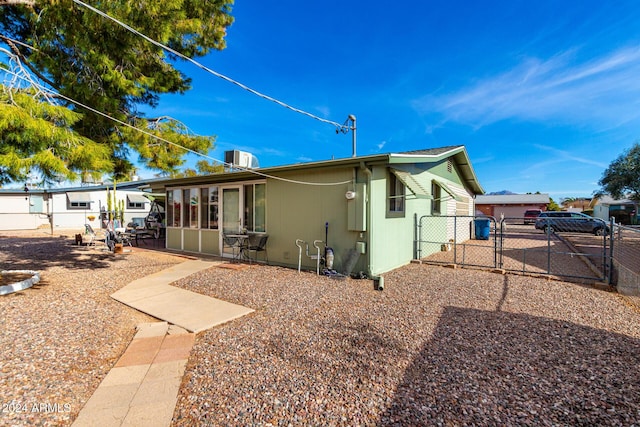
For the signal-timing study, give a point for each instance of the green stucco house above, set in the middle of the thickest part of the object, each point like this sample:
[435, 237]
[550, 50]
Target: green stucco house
[364, 207]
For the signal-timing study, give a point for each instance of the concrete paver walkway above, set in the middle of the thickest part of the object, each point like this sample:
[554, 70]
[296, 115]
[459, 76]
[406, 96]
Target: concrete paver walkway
[142, 388]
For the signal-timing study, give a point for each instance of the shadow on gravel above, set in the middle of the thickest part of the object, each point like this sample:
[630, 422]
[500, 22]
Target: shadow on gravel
[45, 252]
[499, 368]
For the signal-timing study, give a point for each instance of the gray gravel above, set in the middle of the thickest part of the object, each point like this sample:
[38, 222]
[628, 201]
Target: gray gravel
[61, 337]
[437, 347]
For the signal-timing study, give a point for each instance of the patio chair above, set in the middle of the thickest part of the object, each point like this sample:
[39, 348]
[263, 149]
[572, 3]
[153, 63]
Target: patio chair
[257, 243]
[88, 237]
[233, 243]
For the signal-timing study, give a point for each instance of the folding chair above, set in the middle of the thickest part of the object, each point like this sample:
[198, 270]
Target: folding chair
[89, 236]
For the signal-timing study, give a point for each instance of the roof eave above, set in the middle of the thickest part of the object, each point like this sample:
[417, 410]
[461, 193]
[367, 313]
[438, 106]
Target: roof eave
[459, 153]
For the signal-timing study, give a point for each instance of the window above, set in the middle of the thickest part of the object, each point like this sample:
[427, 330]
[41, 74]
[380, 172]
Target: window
[209, 207]
[170, 208]
[254, 207]
[177, 206]
[199, 207]
[190, 202]
[436, 192]
[78, 200]
[135, 205]
[136, 201]
[193, 206]
[79, 205]
[396, 191]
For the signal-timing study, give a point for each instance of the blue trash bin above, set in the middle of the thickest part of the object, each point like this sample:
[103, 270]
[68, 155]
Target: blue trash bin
[483, 228]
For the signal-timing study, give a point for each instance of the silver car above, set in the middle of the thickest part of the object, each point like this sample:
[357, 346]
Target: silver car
[552, 222]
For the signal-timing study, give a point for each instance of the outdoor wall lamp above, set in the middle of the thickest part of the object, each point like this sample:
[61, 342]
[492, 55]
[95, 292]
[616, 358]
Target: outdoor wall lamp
[26, 192]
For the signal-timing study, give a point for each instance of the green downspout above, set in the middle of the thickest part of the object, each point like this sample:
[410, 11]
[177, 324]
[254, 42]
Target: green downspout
[369, 235]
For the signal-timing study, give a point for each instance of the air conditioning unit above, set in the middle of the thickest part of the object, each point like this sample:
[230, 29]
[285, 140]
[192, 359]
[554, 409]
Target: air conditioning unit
[240, 159]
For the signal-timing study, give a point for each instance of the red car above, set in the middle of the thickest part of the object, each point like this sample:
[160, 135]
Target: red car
[531, 215]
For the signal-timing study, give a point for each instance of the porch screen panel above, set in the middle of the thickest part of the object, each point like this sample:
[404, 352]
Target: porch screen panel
[204, 208]
[209, 208]
[193, 207]
[169, 208]
[185, 208]
[213, 208]
[260, 208]
[177, 208]
[248, 207]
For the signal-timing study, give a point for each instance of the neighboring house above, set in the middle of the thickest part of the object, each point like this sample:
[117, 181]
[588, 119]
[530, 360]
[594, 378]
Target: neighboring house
[68, 207]
[510, 205]
[576, 205]
[625, 211]
[363, 207]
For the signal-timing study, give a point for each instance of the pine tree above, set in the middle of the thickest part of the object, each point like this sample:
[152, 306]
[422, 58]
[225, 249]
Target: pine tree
[85, 57]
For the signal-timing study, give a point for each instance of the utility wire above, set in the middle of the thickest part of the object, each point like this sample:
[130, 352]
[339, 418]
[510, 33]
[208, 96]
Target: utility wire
[340, 127]
[253, 171]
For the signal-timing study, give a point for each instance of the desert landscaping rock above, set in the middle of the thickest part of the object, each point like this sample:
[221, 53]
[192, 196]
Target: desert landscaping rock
[437, 347]
[62, 336]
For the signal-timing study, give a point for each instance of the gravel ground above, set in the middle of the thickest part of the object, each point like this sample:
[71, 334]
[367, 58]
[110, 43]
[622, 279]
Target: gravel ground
[526, 249]
[438, 346]
[62, 336]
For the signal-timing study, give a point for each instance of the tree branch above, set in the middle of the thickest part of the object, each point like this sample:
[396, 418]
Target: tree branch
[24, 60]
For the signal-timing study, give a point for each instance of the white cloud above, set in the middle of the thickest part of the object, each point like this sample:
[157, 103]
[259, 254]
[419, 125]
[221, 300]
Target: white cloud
[603, 91]
[324, 111]
[564, 155]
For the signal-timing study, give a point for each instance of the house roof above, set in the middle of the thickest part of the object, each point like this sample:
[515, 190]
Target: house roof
[125, 185]
[512, 199]
[608, 200]
[433, 155]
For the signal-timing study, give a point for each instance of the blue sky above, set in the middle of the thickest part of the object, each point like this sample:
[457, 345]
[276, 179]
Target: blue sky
[544, 94]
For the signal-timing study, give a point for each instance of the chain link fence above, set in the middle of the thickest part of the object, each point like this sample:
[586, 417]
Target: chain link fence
[452, 240]
[626, 259]
[550, 247]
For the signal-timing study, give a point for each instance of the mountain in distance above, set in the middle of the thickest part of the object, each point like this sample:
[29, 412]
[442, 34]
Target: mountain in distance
[500, 193]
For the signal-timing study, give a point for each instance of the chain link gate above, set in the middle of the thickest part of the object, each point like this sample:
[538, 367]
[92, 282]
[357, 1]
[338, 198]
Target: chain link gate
[513, 245]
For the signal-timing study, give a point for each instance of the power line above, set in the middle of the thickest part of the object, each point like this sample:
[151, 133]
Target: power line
[340, 127]
[253, 171]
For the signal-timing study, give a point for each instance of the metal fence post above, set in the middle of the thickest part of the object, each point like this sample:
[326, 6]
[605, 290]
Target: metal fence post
[455, 239]
[548, 231]
[415, 236]
[609, 273]
[500, 244]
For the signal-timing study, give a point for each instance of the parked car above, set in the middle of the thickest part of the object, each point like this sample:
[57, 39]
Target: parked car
[530, 215]
[551, 222]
